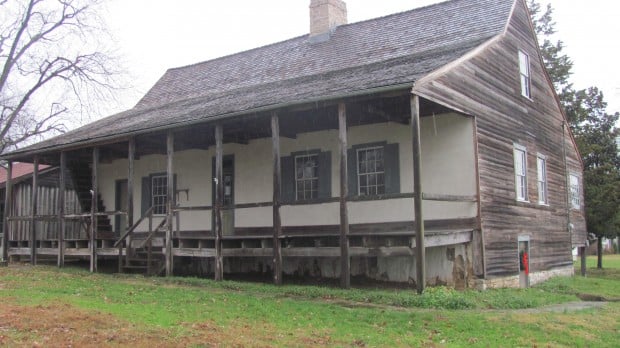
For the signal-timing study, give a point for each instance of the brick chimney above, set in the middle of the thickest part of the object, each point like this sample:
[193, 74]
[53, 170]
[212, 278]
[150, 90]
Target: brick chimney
[325, 15]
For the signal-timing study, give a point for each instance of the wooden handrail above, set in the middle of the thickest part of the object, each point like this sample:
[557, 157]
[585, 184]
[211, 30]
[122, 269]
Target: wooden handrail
[134, 226]
[152, 233]
[85, 224]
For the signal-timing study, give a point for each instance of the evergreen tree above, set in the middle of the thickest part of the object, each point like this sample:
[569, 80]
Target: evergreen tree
[594, 130]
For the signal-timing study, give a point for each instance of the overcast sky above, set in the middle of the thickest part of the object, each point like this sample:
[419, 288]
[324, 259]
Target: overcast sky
[154, 35]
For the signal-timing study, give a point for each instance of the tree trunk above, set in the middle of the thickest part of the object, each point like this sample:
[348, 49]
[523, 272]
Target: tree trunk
[599, 253]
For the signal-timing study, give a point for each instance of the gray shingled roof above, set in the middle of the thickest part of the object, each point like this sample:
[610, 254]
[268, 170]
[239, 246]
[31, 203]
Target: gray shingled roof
[393, 50]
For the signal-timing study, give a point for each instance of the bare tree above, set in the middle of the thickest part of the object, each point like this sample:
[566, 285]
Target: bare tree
[54, 67]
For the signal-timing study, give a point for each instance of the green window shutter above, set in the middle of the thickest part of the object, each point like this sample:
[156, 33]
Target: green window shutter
[146, 194]
[352, 171]
[288, 179]
[392, 168]
[325, 174]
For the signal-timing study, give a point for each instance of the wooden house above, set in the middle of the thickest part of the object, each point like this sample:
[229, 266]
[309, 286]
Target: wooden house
[426, 147]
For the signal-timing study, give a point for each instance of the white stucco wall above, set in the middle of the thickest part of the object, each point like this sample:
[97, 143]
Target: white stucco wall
[448, 168]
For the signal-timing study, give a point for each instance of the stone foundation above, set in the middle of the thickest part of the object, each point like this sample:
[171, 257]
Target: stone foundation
[513, 281]
[445, 265]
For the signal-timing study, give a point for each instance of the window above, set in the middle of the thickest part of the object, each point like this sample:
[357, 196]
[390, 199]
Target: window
[306, 177]
[520, 155]
[541, 164]
[159, 191]
[524, 72]
[575, 199]
[370, 171]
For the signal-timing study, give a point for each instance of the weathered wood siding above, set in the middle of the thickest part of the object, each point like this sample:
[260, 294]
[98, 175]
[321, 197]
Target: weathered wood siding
[487, 85]
[46, 205]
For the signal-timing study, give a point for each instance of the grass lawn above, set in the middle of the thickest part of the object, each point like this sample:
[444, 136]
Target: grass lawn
[50, 307]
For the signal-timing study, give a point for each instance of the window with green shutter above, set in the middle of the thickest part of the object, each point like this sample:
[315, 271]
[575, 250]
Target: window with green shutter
[306, 176]
[374, 169]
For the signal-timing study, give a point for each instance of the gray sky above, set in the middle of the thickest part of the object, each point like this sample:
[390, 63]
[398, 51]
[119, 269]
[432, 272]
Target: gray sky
[154, 35]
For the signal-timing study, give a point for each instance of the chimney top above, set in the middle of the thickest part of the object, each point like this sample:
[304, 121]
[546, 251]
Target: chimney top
[326, 15]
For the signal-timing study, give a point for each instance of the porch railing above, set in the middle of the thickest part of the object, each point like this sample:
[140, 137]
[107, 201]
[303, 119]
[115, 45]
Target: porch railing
[125, 240]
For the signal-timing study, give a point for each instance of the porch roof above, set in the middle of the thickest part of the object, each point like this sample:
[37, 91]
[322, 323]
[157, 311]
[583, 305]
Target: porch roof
[390, 52]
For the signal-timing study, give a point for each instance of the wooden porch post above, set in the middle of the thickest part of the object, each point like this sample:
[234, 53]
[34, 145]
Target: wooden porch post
[34, 203]
[219, 197]
[8, 204]
[61, 208]
[345, 261]
[93, 211]
[131, 155]
[417, 195]
[584, 257]
[169, 201]
[277, 222]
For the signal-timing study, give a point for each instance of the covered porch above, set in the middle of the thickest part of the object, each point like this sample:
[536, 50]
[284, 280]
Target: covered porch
[240, 198]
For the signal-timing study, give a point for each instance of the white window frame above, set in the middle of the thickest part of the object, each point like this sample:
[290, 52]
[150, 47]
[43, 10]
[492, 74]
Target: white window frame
[525, 74]
[379, 187]
[574, 190]
[156, 209]
[520, 177]
[541, 172]
[314, 181]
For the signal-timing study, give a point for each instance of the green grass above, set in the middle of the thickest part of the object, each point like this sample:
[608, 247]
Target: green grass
[289, 315]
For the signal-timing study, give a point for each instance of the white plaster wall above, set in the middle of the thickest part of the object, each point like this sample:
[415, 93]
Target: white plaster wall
[439, 269]
[448, 168]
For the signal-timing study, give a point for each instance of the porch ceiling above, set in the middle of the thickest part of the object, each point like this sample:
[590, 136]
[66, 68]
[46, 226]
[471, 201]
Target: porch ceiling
[392, 107]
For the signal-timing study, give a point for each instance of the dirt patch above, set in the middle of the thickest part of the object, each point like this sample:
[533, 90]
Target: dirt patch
[64, 325]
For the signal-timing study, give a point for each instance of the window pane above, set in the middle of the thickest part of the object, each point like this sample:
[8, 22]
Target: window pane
[523, 63]
[371, 171]
[520, 157]
[363, 167]
[525, 86]
[306, 176]
[159, 188]
[380, 179]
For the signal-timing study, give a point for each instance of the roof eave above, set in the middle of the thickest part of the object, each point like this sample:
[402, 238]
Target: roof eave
[119, 137]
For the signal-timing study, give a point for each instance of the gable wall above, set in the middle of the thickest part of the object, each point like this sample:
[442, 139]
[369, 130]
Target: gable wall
[488, 86]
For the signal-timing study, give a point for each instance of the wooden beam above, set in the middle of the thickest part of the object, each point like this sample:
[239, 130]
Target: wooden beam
[439, 197]
[583, 251]
[277, 223]
[478, 244]
[169, 201]
[33, 210]
[417, 195]
[345, 261]
[61, 208]
[131, 158]
[219, 200]
[8, 204]
[92, 245]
